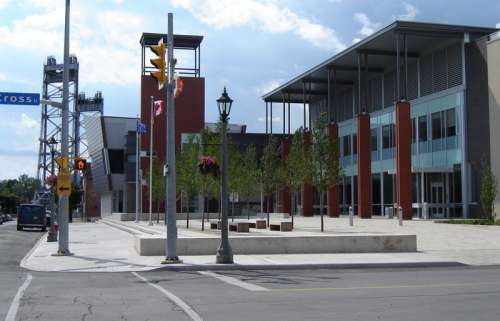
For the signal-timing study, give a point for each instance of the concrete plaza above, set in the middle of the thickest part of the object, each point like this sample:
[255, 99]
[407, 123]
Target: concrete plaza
[103, 247]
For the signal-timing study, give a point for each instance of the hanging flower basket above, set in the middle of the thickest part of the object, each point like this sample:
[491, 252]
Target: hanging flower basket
[51, 180]
[208, 165]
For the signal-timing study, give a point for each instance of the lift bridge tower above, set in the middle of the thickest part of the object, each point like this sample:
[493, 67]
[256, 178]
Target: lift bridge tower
[51, 119]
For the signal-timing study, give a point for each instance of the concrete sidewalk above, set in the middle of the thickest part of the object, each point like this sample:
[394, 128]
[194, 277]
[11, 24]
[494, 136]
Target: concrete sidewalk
[98, 247]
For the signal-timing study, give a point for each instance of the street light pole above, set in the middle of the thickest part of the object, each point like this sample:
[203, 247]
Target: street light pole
[52, 235]
[224, 253]
[64, 200]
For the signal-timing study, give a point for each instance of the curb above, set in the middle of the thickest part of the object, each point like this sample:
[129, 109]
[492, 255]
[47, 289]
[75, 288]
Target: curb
[22, 263]
[325, 266]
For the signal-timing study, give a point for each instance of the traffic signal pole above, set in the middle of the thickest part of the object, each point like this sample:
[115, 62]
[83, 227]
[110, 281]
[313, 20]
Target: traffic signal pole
[171, 246]
[63, 211]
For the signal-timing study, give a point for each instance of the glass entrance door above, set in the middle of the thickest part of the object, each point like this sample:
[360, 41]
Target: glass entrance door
[437, 200]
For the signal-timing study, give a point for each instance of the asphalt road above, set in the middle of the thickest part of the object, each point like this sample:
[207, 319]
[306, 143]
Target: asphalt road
[434, 294]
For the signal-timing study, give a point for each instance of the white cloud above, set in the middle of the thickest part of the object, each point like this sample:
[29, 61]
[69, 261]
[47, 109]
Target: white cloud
[27, 122]
[265, 14]
[498, 25]
[367, 26]
[3, 77]
[4, 3]
[269, 86]
[356, 40]
[410, 12]
[105, 43]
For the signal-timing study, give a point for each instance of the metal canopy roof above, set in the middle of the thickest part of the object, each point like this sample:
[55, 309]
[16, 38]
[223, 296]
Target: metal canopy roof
[381, 50]
[180, 41]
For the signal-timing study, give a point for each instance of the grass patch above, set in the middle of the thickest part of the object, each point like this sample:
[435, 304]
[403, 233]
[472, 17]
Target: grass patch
[470, 222]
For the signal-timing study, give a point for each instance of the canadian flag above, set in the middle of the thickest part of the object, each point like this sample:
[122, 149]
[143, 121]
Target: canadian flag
[159, 106]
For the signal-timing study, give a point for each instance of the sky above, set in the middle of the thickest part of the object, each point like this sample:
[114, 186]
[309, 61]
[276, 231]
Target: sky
[250, 46]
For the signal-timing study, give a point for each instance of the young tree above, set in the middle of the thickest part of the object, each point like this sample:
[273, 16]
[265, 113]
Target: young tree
[188, 175]
[249, 176]
[209, 184]
[270, 163]
[236, 172]
[297, 166]
[326, 166]
[159, 186]
[488, 192]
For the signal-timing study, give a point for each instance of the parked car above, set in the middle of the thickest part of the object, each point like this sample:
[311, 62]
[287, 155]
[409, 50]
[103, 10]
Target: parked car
[1, 219]
[7, 217]
[31, 216]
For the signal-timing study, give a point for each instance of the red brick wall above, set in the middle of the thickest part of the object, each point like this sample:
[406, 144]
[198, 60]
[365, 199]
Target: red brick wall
[189, 117]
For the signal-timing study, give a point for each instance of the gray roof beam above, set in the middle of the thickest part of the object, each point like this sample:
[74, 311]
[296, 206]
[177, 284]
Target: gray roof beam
[391, 53]
[354, 68]
[325, 81]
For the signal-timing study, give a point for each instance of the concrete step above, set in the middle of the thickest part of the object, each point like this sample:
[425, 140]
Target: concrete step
[155, 245]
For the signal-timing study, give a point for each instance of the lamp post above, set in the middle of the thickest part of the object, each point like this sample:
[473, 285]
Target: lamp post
[52, 235]
[224, 252]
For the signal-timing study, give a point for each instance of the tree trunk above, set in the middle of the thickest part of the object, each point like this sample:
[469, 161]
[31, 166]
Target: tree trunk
[157, 211]
[267, 210]
[187, 211]
[203, 215]
[248, 209]
[292, 198]
[321, 210]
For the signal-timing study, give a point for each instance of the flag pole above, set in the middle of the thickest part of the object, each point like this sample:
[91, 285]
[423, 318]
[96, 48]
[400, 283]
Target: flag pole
[151, 122]
[137, 165]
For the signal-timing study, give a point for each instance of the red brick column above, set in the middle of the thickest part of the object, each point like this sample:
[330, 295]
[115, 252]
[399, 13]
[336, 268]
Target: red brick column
[285, 201]
[403, 158]
[364, 166]
[307, 189]
[333, 196]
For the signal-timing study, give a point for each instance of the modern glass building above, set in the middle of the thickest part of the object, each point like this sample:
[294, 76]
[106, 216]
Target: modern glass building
[443, 133]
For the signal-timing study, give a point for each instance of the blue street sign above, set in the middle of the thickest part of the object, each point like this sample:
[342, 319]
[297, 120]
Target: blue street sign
[19, 99]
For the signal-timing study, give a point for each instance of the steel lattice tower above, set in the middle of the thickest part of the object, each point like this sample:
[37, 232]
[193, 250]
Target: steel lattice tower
[51, 117]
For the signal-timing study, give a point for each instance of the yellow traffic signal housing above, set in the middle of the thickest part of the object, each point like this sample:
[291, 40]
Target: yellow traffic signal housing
[159, 62]
[80, 164]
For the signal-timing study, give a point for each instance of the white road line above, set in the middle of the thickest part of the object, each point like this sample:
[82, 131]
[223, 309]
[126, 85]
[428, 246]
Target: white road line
[14, 306]
[172, 297]
[234, 281]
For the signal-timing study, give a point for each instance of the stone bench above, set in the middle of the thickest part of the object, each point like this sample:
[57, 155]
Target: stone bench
[258, 224]
[215, 225]
[282, 226]
[241, 227]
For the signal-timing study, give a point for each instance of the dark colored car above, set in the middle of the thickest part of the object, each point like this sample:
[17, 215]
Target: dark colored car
[31, 216]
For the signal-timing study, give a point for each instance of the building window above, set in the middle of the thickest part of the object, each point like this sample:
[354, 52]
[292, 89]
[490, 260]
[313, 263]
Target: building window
[374, 139]
[422, 128]
[116, 161]
[354, 144]
[388, 136]
[437, 125]
[413, 131]
[347, 146]
[451, 123]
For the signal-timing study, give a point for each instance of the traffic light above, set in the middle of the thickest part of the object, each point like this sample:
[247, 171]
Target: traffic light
[159, 63]
[80, 164]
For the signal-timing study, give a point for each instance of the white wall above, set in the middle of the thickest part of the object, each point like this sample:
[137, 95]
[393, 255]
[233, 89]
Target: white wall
[106, 204]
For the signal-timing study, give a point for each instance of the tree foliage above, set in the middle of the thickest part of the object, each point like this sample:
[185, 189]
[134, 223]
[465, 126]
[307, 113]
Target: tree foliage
[270, 163]
[488, 192]
[326, 167]
[16, 191]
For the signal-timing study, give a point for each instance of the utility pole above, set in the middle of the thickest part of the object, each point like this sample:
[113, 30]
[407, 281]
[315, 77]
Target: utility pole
[170, 209]
[64, 200]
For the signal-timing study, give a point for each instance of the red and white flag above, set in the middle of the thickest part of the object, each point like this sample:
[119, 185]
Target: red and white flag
[159, 106]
